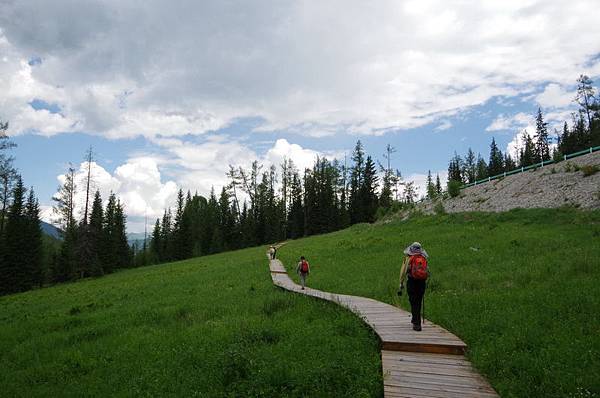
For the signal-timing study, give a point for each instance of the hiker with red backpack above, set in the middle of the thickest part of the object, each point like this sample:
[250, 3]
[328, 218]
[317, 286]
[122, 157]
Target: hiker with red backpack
[414, 266]
[303, 269]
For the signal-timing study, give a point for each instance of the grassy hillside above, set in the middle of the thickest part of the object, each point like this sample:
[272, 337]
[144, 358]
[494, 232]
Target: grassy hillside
[213, 326]
[521, 288]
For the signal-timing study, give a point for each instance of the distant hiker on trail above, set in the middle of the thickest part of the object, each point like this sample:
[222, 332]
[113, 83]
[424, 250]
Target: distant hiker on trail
[303, 269]
[414, 266]
[271, 253]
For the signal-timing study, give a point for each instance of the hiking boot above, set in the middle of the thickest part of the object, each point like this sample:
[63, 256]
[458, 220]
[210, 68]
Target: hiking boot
[416, 327]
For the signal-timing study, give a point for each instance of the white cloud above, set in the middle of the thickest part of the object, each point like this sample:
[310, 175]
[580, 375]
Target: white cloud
[136, 183]
[555, 96]
[420, 181]
[121, 70]
[515, 122]
[302, 158]
[444, 125]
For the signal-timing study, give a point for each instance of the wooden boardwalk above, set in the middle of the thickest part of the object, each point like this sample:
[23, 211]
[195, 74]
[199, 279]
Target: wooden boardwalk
[429, 363]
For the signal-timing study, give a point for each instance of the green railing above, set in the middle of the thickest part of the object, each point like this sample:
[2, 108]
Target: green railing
[533, 166]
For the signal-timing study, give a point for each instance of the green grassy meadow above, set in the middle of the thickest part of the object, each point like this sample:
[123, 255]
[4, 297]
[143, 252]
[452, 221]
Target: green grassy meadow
[209, 327]
[521, 288]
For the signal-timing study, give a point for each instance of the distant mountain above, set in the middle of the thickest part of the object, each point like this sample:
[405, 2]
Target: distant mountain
[134, 237]
[51, 230]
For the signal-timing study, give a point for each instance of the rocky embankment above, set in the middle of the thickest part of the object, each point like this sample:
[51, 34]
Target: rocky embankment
[574, 182]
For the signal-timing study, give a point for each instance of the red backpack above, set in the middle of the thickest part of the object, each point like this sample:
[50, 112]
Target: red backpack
[304, 267]
[417, 267]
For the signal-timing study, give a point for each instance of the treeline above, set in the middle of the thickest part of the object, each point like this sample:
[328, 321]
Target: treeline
[96, 243]
[258, 207]
[21, 244]
[93, 245]
[583, 134]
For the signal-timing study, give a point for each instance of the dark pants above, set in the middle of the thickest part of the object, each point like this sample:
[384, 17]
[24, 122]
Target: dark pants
[416, 290]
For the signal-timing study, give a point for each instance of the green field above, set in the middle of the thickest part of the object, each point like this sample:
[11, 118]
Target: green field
[521, 288]
[210, 327]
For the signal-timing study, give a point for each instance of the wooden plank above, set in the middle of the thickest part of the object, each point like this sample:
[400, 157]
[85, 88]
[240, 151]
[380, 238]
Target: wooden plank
[455, 381]
[413, 391]
[422, 364]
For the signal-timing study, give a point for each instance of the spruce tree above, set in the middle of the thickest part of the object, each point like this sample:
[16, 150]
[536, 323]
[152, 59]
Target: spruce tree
[542, 148]
[509, 163]
[156, 243]
[109, 256]
[470, 167]
[385, 199]
[368, 191]
[34, 252]
[455, 168]
[438, 185]
[527, 157]
[124, 254]
[496, 163]
[356, 181]
[96, 235]
[167, 237]
[13, 269]
[482, 168]
[8, 173]
[182, 246]
[431, 191]
[296, 214]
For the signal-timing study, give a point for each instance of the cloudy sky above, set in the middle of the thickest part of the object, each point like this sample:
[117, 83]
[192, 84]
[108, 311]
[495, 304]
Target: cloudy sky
[169, 93]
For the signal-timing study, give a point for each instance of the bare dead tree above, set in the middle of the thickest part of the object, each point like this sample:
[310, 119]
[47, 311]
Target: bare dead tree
[89, 158]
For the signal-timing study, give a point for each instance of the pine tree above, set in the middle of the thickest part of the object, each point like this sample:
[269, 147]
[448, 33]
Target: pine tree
[527, 157]
[482, 168]
[431, 191]
[542, 148]
[579, 133]
[496, 163]
[13, 269]
[509, 163]
[296, 214]
[438, 185]
[64, 208]
[8, 173]
[96, 236]
[167, 237]
[385, 199]
[368, 191]
[585, 97]
[156, 243]
[566, 141]
[455, 169]
[34, 251]
[121, 247]
[595, 127]
[109, 257]
[470, 167]
[410, 193]
[356, 181]
[182, 246]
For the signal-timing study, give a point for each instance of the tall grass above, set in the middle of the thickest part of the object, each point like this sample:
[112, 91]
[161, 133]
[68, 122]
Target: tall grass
[210, 327]
[520, 288]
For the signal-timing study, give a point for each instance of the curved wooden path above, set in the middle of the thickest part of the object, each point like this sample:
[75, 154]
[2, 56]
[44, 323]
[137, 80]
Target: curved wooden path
[430, 363]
